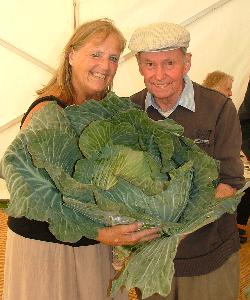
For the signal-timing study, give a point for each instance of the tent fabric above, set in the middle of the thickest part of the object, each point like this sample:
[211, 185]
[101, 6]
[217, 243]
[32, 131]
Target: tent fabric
[32, 37]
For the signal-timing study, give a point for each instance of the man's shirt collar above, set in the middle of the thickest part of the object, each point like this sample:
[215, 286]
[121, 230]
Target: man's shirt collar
[186, 99]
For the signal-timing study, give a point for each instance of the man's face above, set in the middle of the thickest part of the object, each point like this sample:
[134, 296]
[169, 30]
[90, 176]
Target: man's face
[163, 73]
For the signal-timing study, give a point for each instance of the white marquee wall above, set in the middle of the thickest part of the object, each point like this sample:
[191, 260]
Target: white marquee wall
[32, 35]
[39, 30]
[219, 40]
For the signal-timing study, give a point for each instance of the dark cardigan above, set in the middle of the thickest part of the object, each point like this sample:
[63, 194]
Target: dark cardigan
[244, 115]
[215, 120]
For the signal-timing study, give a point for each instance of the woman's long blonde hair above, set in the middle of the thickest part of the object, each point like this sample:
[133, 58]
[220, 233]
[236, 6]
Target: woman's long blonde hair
[60, 84]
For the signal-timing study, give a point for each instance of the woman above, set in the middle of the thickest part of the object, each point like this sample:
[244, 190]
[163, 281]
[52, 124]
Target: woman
[219, 81]
[38, 266]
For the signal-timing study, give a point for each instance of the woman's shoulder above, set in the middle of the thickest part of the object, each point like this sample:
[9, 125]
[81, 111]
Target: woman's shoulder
[38, 104]
[45, 100]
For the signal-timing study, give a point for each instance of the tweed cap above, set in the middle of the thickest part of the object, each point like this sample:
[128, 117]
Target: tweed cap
[159, 37]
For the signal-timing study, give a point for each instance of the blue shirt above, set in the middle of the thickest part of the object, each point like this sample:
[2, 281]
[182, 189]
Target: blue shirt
[186, 99]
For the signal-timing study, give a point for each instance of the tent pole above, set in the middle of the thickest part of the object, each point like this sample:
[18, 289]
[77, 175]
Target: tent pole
[76, 6]
[26, 56]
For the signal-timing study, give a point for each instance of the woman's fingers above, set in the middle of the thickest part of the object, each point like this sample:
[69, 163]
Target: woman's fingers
[126, 234]
[125, 229]
[144, 235]
[150, 237]
[137, 237]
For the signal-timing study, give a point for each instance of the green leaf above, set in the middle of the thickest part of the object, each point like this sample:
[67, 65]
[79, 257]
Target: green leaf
[171, 126]
[104, 163]
[69, 225]
[82, 115]
[99, 134]
[68, 186]
[150, 268]
[138, 215]
[117, 163]
[171, 203]
[32, 193]
[50, 116]
[54, 147]
[93, 212]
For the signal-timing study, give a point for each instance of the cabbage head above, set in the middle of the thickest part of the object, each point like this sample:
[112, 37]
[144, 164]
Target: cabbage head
[105, 163]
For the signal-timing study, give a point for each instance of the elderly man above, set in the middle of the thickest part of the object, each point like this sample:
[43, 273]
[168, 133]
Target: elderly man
[207, 261]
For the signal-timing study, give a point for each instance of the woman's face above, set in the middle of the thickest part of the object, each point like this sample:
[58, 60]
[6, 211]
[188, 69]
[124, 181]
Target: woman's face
[225, 87]
[94, 66]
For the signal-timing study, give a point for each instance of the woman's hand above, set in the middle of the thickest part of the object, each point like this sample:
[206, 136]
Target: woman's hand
[131, 234]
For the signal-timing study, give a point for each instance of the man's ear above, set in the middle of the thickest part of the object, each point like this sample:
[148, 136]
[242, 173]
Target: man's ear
[140, 69]
[187, 66]
[138, 62]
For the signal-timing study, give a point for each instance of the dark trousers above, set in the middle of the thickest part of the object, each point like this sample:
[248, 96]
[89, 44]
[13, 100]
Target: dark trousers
[243, 209]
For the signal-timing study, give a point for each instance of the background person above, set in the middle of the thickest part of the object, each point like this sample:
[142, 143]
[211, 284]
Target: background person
[222, 82]
[219, 81]
[37, 265]
[207, 261]
[244, 115]
[243, 209]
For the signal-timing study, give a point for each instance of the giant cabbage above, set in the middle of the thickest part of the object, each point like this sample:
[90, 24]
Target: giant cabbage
[105, 163]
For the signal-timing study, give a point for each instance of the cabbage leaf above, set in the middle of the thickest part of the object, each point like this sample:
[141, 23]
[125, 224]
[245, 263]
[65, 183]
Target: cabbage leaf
[106, 163]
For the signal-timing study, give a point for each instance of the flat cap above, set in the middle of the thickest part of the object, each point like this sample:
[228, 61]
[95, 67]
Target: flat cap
[159, 37]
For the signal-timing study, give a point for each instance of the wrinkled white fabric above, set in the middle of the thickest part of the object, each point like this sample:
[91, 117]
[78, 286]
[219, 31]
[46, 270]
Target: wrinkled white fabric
[41, 270]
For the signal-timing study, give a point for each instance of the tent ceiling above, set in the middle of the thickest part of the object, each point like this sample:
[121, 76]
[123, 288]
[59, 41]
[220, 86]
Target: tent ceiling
[219, 40]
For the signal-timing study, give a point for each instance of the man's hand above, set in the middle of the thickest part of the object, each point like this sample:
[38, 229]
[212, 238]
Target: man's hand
[131, 234]
[224, 190]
